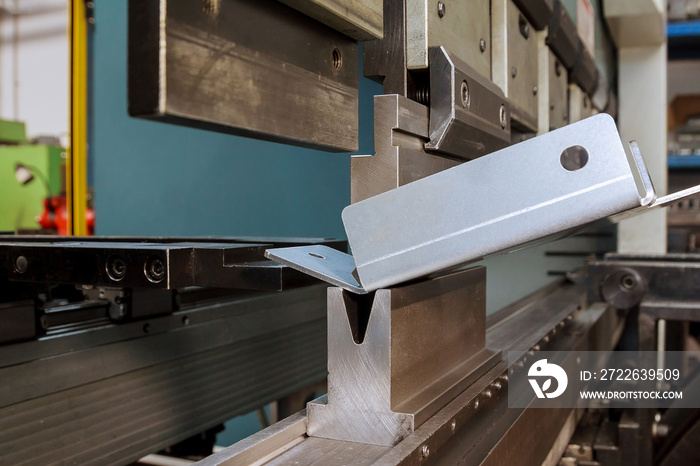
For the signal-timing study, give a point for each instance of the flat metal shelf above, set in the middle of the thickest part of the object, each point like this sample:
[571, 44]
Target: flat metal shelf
[683, 40]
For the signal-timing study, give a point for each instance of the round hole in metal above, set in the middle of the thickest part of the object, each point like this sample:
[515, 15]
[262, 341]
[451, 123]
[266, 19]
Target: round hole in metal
[574, 158]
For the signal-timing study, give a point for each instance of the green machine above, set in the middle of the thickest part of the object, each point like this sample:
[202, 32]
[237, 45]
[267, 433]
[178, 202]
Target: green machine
[28, 174]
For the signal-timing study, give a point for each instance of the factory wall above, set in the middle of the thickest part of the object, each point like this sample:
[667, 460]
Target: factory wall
[34, 65]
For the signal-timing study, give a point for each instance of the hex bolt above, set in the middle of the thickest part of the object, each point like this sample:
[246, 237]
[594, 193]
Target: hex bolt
[453, 425]
[425, 451]
[504, 377]
[465, 94]
[487, 393]
[476, 404]
[116, 268]
[482, 45]
[21, 264]
[536, 348]
[502, 116]
[441, 9]
[497, 385]
[155, 270]
[534, 90]
[514, 71]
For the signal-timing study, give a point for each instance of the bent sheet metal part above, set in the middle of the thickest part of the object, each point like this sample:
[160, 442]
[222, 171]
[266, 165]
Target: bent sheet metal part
[523, 194]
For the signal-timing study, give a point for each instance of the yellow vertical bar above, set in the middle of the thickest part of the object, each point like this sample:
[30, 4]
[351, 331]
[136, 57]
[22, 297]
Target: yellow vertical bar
[76, 166]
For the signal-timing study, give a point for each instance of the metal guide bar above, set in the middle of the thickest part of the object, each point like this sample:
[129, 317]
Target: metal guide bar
[255, 68]
[153, 263]
[534, 191]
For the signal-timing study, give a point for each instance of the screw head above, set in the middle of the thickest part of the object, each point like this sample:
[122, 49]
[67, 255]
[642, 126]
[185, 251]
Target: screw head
[155, 270]
[465, 94]
[21, 264]
[441, 9]
[425, 451]
[534, 90]
[514, 71]
[482, 45]
[502, 116]
[557, 67]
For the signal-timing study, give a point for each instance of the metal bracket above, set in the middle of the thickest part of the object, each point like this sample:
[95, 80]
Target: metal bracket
[469, 115]
[535, 191]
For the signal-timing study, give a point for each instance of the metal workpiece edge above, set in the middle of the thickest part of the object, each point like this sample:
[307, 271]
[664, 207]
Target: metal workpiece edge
[554, 183]
[322, 262]
[535, 191]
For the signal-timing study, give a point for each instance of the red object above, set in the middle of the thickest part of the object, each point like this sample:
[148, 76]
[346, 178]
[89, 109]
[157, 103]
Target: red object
[55, 216]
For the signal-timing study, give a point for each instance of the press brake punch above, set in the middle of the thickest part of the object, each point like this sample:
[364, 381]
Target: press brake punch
[536, 191]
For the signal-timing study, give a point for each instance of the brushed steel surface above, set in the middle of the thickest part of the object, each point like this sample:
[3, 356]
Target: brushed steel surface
[256, 68]
[112, 394]
[514, 61]
[462, 28]
[404, 234]
[552, 96]
[359, 19]
[477, 427]
[401, 127]
[209, 262]
[390, 369]
[384, 60]
[538, 12]
[469, 115]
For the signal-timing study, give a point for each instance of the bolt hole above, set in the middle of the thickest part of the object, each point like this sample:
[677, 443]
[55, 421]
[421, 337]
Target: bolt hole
[465, 94]
[503, 117]
[337, 59]
[316, 255]
[574, 158]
